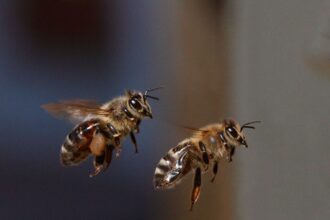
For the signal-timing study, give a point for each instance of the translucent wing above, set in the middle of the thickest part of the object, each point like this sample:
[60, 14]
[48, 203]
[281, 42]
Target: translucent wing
[75, 110]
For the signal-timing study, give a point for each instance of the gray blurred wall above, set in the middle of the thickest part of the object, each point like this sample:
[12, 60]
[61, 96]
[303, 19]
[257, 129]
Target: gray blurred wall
[285, 172]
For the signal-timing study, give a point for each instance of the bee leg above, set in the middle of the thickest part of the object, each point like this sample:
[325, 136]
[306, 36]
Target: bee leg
[137, 129]
[231, 154]
[197, 188]
[134, 141]
[118, 151]
[111, 133]
[215, 170]
[98, 165]
[204, 152]
[108, 156]
[117, 146]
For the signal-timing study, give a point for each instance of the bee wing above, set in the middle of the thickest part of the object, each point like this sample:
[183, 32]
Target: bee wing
[172, 167]
[75, 110]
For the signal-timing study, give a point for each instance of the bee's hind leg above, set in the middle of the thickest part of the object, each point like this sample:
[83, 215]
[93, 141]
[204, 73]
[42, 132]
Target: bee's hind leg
[102, 162]
[197, 188]
[98, 165]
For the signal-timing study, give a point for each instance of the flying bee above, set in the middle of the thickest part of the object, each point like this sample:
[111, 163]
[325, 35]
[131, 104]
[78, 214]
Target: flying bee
[206, 147]
[101, 128]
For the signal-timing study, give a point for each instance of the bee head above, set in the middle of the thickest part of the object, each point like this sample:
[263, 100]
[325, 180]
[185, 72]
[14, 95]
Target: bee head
[138, 103]
[235, 132]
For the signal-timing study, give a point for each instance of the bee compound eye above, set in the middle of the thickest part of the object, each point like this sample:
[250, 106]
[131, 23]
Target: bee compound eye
[232, 131]
[135, 104]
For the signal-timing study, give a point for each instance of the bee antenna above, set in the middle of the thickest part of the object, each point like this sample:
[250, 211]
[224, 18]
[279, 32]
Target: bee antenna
[150, 90]
[152, 97]
[153, 89]
[246, 125]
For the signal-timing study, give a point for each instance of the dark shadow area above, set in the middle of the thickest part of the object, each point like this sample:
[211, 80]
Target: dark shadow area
[62, 34]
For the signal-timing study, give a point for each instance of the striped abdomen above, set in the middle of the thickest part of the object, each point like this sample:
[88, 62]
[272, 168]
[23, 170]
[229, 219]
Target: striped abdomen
[75, 148]
[175, 165]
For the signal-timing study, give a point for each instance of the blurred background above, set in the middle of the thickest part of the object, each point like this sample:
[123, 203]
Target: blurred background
[249, 60]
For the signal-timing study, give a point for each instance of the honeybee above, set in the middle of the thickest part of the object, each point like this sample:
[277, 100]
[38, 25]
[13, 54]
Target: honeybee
[206, 147]
[101, 128]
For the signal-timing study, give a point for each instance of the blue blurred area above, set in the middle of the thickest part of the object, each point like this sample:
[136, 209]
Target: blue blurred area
[53, 50]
